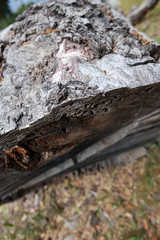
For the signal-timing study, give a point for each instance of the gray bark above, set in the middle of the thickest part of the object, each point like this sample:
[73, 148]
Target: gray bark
[139, 13]
[78, 85]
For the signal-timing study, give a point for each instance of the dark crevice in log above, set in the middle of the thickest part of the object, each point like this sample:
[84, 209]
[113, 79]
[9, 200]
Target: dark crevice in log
[3, 65]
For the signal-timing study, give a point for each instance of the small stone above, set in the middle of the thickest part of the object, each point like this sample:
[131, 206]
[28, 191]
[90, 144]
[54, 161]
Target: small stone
[69, 237]
[73, 224]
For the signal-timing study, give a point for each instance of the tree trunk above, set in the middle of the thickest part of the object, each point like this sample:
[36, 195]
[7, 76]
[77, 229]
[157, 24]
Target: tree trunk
[78, 85]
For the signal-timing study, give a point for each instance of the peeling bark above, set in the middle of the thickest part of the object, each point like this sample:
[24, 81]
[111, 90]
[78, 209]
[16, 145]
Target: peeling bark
[78, 85]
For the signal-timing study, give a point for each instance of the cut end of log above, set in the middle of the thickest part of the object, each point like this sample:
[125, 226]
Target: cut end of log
[73, 74]
[56, 57]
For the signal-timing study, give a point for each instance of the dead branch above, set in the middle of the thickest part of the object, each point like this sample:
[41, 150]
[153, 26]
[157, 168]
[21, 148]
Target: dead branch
[139, 13]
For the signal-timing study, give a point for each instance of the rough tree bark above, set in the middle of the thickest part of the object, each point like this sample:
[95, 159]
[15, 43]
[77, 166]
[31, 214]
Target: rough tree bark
[78, 85]
[139, 13]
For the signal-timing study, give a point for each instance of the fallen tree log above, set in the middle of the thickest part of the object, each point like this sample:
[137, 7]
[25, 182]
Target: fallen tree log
[78, 85]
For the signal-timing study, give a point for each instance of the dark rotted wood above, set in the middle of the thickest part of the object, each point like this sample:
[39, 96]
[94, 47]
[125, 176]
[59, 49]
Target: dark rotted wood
[78, 85]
